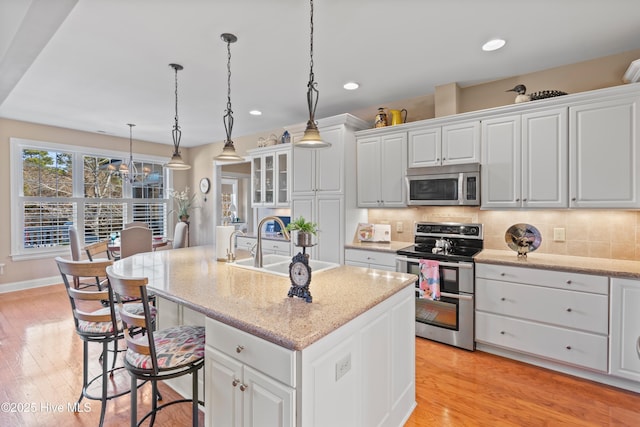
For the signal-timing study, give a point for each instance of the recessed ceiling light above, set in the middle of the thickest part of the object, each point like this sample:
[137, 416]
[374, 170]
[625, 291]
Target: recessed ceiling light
[351, 86]
[255, 112]
[494, 44]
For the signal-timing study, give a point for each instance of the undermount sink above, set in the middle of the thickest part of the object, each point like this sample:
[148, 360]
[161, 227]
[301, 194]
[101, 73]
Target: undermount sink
[279, 264]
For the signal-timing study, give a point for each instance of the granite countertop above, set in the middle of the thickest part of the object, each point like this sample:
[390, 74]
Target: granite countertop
[257, 303]
[597, 266]
[392, 246]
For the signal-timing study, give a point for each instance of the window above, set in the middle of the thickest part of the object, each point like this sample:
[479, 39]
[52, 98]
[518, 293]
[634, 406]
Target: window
[55, 186]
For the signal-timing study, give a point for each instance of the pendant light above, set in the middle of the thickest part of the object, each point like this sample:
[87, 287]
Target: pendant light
[176, 161]
[311, 137]
[229, 151]
[128, 169]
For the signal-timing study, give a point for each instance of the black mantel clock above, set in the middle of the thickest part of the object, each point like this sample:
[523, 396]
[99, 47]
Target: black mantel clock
[300, 275]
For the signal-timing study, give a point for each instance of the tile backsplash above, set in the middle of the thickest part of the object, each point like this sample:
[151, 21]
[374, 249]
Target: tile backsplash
[594, 233]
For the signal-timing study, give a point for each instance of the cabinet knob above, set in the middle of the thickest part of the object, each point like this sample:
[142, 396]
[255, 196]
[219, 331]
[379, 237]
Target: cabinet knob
[573, 199]
[569, 310]
[503, 299]
[502, 274]
[569, 282]
[235, 382]
[239, 348]
[243, 387]
[568, 347]
[517, 199]
[502, 332]
[524, 200]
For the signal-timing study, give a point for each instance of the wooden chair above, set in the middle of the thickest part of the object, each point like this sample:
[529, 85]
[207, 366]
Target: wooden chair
[181, 348]
[98, 248]
[135, 240]
[180, 235]
[94, 324]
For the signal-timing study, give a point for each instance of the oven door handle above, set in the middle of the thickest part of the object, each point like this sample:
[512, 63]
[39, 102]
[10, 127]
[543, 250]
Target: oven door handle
[442, 263]
[457, 296]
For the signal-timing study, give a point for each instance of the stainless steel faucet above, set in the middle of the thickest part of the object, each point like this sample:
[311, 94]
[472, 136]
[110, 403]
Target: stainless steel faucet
[257, 261]
[231, 255]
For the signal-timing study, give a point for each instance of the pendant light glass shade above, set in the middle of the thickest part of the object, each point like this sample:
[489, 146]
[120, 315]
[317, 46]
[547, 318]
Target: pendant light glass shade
[229, 150]
[128, 169]
[311, 137]
[176, 162]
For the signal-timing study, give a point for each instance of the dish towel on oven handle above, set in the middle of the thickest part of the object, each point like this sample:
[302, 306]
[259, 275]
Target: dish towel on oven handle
[430, 279]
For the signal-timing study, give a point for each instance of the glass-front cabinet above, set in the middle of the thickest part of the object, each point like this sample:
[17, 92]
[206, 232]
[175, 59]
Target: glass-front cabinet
[270, 177]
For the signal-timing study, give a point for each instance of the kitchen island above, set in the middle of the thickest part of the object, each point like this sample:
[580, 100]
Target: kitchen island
[348, 358]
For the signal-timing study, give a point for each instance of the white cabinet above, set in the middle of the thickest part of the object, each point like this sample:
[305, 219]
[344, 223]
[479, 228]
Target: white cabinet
[324, 186]
[552, 314]
[270, 179]
[381, 166]
[604, 153]
[625, 328]
[269, 246]
[452, 144]
[250, 382]
[370, 259]
[524, 160]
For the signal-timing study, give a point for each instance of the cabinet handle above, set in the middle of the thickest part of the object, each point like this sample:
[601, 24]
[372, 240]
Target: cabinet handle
[568, 347]
[239, 348]
[503, 299]
[524, 200]
[235, 382]
[243, 387]
[569, 282]
[573, 199]
[569, 310]
[517, 199]
[503, 274]
[502, 332]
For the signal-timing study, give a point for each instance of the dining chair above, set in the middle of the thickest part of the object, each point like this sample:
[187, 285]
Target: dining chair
[156, 355]
[94, 324]
[136, 224]
[76, 255]
[95, 249]
[180, 235]
[135, 240]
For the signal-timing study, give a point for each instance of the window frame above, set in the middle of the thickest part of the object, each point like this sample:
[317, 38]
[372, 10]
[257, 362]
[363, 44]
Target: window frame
[17, 145]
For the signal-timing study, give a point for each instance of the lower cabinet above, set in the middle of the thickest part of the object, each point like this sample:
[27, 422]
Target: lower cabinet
[551, 314]
[370, 259]
[269, 246]
[361, 374]
[625, 328]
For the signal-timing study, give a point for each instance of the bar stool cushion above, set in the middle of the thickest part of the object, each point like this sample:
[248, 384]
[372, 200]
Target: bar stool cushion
[104, 327]
[175, 347]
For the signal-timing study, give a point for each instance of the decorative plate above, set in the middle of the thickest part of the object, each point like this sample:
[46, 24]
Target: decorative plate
[523, 238]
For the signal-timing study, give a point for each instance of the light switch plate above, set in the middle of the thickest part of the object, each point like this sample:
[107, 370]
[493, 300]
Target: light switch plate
[558, 235]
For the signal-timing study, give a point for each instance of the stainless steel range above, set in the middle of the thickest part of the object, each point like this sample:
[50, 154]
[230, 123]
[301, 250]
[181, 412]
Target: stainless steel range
[451, 318]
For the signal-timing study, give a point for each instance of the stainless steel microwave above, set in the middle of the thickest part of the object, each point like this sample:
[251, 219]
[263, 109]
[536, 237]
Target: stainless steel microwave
[444, 185]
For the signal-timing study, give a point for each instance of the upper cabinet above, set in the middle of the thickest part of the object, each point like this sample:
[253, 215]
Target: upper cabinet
[449, 144]
[270, 177]
[381, 166]
[524, 160]
[605, 153]
[320, 170]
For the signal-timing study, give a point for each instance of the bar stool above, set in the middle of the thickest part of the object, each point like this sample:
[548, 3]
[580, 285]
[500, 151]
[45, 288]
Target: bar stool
[156, 355]
[94, 323]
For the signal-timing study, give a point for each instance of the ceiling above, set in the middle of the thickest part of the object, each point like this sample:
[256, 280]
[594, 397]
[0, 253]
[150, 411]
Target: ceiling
[96, 65]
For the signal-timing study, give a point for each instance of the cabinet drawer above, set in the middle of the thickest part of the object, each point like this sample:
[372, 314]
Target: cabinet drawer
[573, 347]
[549, 278]
[269, 358]
[276, 246]
[371, 257]
[577, 310]
[245, 243]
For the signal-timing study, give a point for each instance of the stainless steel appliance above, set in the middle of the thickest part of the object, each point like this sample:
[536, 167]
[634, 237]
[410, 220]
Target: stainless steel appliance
[444, 185]
[451, 318]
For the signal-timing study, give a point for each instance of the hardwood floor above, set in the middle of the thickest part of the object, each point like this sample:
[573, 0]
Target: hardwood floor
[41, 370]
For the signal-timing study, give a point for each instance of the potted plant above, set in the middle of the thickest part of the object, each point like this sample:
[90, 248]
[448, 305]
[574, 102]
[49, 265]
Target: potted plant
[305, 229]
[183, 203]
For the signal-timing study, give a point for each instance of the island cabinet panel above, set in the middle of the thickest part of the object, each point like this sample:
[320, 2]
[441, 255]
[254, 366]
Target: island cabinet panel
[551, 314]
[625, 328]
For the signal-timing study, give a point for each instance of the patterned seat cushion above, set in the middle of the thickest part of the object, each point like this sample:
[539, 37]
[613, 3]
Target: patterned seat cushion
[87, 327]
[175, 347]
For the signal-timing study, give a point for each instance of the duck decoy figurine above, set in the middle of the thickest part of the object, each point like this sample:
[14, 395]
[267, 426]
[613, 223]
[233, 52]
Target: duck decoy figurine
[521, 90]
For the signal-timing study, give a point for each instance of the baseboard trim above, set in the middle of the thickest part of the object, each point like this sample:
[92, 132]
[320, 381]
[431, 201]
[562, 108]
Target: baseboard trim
[29, 284]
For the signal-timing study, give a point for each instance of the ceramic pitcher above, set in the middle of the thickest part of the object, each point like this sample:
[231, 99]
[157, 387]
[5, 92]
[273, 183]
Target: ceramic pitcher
[396, 117]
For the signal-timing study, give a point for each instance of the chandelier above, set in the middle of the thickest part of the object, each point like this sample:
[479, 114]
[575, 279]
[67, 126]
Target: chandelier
[229, 150]
[311, 137]
[176, 161]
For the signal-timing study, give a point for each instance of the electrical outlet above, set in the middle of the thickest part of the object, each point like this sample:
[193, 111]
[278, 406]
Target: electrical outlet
[558, 235]
[399, 227]
[343, 366]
